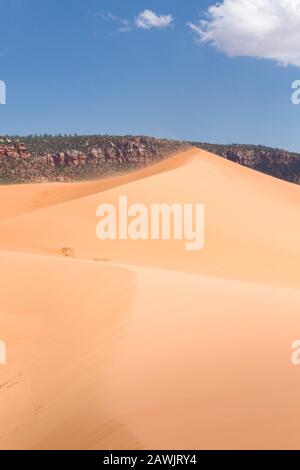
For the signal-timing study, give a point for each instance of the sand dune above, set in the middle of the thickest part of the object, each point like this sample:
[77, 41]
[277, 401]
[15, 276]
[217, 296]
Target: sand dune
[249, 217]
[156, 347]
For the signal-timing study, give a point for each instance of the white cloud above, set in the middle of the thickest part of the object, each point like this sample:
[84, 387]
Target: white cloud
[148, 19]
[268, 29]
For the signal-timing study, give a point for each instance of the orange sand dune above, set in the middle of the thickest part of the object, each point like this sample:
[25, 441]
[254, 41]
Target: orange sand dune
[252, 223]
[157, 347]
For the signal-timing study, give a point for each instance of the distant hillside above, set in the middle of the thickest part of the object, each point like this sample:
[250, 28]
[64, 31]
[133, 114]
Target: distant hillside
[70, 158]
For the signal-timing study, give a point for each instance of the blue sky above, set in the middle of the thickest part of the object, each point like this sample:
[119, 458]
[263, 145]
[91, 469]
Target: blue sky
[69, 68]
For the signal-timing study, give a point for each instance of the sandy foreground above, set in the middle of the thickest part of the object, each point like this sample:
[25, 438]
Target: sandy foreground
[141, 344]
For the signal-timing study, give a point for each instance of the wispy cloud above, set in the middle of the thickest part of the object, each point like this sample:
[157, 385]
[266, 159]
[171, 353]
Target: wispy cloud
[148, 19]
[268, 29]
[122, 23]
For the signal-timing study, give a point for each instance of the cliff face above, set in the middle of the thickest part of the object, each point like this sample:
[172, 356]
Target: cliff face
[115, 149]
[37, 159]
[13, 149]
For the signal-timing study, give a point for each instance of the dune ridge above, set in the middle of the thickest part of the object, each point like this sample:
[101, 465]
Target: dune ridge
[131, 345]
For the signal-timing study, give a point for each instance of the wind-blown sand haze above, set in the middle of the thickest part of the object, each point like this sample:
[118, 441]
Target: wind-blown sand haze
[141, 344]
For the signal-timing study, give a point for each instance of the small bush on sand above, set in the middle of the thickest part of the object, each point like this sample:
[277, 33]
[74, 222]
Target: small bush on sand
[67, 252]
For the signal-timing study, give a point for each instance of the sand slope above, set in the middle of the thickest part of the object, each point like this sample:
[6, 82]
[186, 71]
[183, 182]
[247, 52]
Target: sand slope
[60, 320]
[155, 347]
